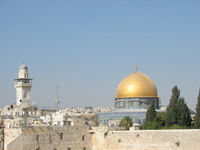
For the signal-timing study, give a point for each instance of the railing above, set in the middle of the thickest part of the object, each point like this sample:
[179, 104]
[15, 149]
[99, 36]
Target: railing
[23, 84]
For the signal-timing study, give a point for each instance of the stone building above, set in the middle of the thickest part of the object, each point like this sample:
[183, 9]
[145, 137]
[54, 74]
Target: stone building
[61, 118]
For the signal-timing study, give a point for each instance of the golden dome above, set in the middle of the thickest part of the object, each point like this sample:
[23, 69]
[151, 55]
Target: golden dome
[136, 85]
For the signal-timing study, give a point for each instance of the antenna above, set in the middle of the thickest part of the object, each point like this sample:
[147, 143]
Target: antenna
[57, 102]
[57, 87]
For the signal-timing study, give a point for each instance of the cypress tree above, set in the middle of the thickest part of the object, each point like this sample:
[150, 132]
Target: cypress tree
[151, 113]
[197, 115]
[172, 111]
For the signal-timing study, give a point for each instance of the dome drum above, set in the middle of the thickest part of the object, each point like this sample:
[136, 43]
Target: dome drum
[136, 103]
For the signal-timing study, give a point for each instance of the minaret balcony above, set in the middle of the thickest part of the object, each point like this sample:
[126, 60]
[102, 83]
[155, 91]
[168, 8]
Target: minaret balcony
[20, 84]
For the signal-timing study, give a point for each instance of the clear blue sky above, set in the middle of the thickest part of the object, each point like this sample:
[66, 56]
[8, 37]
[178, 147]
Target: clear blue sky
[88, 47]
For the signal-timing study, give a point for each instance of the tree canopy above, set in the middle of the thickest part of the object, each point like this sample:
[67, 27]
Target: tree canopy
[126, 122]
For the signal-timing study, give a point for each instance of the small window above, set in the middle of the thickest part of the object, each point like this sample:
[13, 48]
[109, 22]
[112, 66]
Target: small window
[38, 148]
[61, 136]
[55, 149]
[69, 148]
[65, 123]
[83, 138]
[37, 138]
[84, 148]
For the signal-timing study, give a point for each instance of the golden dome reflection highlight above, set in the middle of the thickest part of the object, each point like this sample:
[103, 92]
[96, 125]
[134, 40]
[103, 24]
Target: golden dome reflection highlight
[136, 85]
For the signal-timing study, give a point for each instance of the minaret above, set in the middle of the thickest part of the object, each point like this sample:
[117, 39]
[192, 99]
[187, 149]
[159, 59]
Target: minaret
[23, 87]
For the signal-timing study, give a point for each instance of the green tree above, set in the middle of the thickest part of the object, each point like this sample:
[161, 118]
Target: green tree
[126, 122]
[197, 115]
[157, 123]
[160, 119]
[178, 112]
[183, 114]
[149, 122]
[151, 113]
[172, 110]
[150, 126]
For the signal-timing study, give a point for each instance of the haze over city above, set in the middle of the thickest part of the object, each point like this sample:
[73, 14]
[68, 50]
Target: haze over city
[88, 47]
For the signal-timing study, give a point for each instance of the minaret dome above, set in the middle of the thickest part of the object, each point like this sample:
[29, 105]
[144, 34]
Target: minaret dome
[23, 71]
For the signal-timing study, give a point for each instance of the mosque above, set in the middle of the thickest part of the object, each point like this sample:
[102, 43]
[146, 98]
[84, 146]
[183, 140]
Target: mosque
[135, 93]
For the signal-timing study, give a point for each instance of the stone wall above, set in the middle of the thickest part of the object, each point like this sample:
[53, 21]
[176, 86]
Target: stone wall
[1, 139]
[10, 134]
[16, 144]
[147, 140]
[52, 138]
[82, 138]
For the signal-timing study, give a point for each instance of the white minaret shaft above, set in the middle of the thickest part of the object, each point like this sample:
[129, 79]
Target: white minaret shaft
[23, 87]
